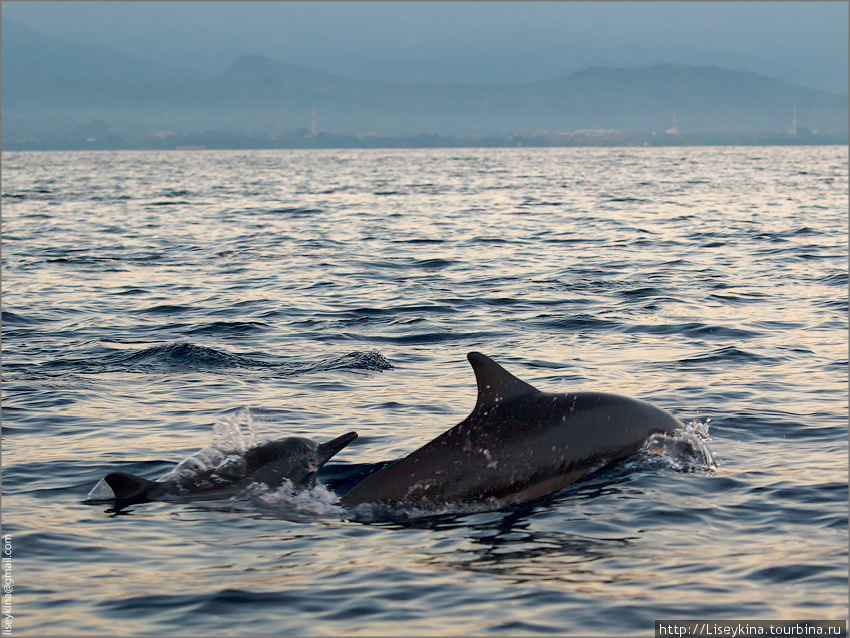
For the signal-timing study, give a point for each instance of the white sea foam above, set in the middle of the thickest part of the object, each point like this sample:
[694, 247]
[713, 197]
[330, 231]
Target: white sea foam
[685, 449]
[286, 499]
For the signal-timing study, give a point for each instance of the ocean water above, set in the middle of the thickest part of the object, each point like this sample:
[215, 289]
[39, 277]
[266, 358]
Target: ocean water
[150, 295]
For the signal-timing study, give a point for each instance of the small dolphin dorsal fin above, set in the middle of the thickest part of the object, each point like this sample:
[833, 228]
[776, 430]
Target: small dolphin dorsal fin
[495, 384]
[126, 486]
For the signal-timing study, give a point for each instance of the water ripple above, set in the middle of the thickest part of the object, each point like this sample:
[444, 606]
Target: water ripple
[147, 293]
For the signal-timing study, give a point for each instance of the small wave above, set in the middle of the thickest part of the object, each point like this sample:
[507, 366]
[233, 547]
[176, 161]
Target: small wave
[184, 356]
[368, 312]
[799, 232]
[838, 279]
[371, 360]
[419, 240]
[729, 354]
[436, 337]
[645, 291]
[577, 322]
[738, 298]
[102, 260]
[492, 240]
[566, 240]
[175, 193]
[295, 211]
[229, 327]
[628, 200]
[700, 330]
[30, 193]
[132, 291]
[433, 264]
[14, 319]
[166, 309]
[591, 286]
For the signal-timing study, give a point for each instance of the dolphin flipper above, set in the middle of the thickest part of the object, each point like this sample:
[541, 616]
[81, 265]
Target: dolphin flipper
[495, 384]
[129, 488]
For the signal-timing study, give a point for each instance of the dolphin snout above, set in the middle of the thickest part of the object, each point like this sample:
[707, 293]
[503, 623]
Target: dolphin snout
[326, 450]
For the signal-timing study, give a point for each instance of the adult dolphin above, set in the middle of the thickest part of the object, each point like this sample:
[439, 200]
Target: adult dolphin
[517, 444]
[295, 459]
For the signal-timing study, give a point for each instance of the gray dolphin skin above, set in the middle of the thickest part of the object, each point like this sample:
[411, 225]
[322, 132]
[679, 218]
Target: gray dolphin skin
[517, 444]
[294, 458]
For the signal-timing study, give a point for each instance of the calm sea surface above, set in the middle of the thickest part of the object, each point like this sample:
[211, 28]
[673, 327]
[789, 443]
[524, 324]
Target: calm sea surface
[147, 295]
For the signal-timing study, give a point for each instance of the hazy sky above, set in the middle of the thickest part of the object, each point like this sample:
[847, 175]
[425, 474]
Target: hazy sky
[803, 42]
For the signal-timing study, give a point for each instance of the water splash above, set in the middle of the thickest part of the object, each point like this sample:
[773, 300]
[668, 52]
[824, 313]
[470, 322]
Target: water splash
[291, 503]
[686, 449]
[224, 459]
[236, 432]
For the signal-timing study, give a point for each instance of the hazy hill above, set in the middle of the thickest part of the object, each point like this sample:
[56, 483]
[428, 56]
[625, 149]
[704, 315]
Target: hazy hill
[30, 54]
[53, 86]
[261, 70]
[705, 98]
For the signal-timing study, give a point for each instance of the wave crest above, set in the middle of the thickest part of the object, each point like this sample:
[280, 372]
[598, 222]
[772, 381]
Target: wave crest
[184, 356]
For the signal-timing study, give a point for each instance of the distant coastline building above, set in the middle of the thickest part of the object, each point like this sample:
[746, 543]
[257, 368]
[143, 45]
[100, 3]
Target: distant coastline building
[314, 127]
[793, 130]
[673, 130]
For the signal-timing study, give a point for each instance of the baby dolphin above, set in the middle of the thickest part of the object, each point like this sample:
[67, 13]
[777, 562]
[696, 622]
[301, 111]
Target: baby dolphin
[294, 458]
[517, 444]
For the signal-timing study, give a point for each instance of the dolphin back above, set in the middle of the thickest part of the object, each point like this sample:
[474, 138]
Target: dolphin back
[517, 444]
[294, 458]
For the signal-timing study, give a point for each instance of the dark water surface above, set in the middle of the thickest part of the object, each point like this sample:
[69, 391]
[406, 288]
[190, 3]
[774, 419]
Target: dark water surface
[146, 295]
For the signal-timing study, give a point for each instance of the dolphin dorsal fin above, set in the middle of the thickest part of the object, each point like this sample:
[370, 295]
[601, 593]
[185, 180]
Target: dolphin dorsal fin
[126, 486]
[495, 384]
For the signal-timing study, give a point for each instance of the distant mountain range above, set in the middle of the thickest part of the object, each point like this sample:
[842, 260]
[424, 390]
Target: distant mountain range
[30, 54]
[52, 86]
